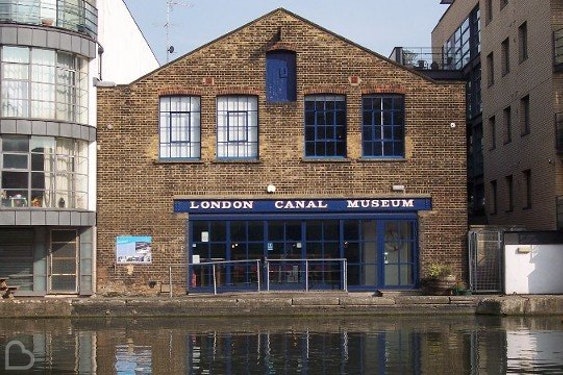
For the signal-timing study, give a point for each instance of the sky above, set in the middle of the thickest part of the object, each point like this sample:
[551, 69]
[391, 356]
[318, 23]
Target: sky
[379, 25]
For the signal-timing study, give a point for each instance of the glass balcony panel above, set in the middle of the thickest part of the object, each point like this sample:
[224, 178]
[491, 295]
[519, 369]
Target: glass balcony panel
[75, 15]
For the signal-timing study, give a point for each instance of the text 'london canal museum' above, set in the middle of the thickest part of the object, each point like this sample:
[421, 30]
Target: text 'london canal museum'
[280, 156]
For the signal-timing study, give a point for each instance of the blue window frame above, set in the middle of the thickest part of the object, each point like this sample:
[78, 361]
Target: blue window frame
[381, 251]
[237, 127]
[383, 126]
[325, 126]
[281, 77]
[180, 128]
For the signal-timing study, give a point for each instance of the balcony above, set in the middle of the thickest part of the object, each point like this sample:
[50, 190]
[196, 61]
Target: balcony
[558, 50]
[81, 17]
[429, 61]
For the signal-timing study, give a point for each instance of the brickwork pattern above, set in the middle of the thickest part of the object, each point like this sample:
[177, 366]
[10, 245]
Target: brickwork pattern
[136, 191]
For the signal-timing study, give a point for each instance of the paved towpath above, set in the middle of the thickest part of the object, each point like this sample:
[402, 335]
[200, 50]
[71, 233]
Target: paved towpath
[278, 304]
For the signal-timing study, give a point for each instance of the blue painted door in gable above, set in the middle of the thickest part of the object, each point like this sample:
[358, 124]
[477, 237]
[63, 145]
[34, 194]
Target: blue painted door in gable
[281, 77]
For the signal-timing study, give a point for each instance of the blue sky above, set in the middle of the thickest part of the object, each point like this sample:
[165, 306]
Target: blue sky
[379, 25]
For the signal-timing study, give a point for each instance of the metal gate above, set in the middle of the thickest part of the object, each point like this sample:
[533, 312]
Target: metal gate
[486, 264]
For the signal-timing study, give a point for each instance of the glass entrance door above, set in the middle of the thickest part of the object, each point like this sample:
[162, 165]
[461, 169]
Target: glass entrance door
[397, 248]
[63, 261]
[380, 253]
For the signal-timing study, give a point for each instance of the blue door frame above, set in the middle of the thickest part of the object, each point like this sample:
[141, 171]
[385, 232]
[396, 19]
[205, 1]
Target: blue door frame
[395, 259]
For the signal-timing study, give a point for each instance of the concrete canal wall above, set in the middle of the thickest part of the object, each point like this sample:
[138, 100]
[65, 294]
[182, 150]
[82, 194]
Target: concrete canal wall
[272, 304]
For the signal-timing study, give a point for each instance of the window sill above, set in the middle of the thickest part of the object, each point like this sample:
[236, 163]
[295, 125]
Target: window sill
[236, 161]
[326, 160]
[381, 160]
[179, 161]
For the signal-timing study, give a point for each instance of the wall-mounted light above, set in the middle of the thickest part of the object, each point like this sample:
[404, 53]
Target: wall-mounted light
[271, 188]
[398, 188]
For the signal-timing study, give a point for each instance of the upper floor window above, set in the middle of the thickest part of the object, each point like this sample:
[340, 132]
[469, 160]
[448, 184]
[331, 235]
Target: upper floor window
[507, 120]
[383, 126]
[473, 92]
[488, 11]
[325, 126]
[509, 193]
[44, 84]
[490, 69]
[493, 195]
[180, 134]
[464, 44]
[527, 185]
[523, 42]
[493, 132]
[505, 56]
[281, 80]
[525, 115]
[43, 172]
[237, 127]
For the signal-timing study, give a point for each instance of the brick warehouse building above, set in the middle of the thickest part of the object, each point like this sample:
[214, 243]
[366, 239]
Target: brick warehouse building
[279, 141]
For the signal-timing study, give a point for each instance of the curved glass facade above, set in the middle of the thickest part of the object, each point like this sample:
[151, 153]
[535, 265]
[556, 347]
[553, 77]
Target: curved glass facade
[43, 172]
[43, 84]
[75, 15]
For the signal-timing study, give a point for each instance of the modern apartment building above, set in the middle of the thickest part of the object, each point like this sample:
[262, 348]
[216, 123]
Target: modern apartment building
[285, 157]
[510, 54]
[53, 53]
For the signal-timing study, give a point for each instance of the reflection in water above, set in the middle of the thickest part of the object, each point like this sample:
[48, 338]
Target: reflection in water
[327, 345]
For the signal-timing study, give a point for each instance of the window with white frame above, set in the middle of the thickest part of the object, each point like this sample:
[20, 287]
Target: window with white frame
[237, 127]
[44, 84]
[383, 126]
[180, 127]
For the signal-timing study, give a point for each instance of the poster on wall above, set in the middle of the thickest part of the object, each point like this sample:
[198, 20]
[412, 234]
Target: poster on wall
[133, 249]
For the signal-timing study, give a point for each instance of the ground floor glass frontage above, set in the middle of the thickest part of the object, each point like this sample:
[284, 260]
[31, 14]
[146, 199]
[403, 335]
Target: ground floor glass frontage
[47, 260]
[359, 252]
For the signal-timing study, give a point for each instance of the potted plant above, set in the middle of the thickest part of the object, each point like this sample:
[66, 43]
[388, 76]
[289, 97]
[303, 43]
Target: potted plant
[438, 279]
[460, 289]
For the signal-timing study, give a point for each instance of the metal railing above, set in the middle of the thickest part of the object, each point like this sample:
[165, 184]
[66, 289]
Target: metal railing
[426, 58]
[271, 274]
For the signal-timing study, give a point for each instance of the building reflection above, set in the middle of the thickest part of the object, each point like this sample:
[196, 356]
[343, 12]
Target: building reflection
[374, 345]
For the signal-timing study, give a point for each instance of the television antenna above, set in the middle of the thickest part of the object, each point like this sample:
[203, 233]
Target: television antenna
[170, 4]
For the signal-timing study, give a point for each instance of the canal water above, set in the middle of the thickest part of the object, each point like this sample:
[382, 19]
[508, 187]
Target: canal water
[322, 345]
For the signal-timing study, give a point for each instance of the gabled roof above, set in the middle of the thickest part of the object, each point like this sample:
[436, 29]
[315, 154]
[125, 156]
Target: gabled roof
[287, 12]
